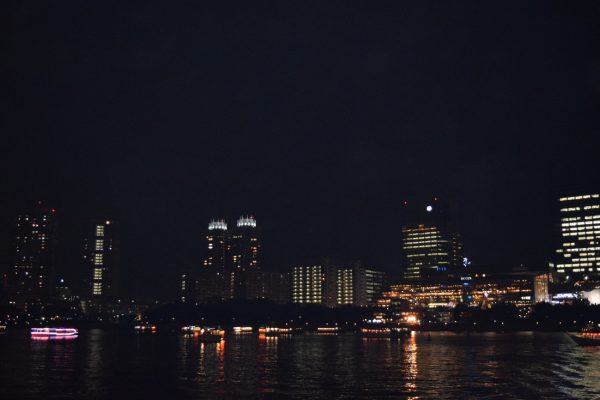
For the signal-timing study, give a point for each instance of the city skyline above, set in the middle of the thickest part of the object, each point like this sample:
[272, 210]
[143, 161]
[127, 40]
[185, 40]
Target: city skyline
[320, 129]
[226, 246]
[324, 200]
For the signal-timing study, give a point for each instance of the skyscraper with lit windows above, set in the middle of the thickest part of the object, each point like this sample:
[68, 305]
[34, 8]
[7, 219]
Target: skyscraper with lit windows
[218, 246]
[432, 247]
[100, 254]
[578, 255]
[245, 261]
[210, 283]
[31, 275]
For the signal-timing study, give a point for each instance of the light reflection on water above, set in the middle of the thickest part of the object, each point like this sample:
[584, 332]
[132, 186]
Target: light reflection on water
[112, 364]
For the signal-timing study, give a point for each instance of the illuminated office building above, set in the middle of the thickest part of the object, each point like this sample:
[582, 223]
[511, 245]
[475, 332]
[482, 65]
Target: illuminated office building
[218, 246]
[100, 256]
[308, 284]
[30, 277]
[358, 286]
[431, 247]
[578, 256]
[210, 282]
[245, 261]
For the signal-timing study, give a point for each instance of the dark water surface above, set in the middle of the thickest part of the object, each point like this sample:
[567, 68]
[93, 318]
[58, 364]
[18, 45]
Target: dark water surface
[114, 364]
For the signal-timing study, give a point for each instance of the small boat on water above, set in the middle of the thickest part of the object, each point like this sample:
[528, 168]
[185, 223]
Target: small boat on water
[239, 330]
[328, 330]
[145, 328]
[211, 335]
[273, 331]
[191, 329]
[384, 332]
[204, 335]
[589, 336]
[53, 333]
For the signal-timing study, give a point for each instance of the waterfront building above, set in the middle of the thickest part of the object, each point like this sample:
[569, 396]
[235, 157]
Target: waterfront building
[541, 288]
[521, 288]
[358, 286]
[245, 259]
[578, 255]
[432, 247]
[218, 246]
[30, 277]
[100, 256]
[211, 281]
[308, 284]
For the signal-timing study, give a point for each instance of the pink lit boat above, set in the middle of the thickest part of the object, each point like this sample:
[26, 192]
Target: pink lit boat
[53, 333]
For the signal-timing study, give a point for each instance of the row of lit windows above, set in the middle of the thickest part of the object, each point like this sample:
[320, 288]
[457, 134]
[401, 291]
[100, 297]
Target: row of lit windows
[581, 223]
[581, 197]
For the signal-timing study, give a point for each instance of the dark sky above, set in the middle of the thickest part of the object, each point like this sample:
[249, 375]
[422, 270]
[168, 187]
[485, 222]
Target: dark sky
[319, 119]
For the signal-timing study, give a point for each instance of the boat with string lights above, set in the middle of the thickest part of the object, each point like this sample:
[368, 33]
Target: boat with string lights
[204, 335]
[53, 333]
[589, 336]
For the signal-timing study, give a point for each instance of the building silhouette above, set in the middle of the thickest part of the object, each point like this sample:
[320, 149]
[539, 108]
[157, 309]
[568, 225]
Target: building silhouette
[243, 274]
[31, 275]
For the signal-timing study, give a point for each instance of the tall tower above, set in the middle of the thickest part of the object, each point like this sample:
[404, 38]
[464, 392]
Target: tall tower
[210, 283]
[578, 255]
[218, 246]
[100, 255]
[431, 245]
[245, 261]
[29, 281]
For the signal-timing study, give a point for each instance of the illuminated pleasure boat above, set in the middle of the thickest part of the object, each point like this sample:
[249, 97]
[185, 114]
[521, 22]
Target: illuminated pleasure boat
[384, 332]
[211, 335]
[589, 336]
[53, 333]
[205, 335]
[238, 330]
[145, 328]
[328, 330]
[191, 329]
[270, 331]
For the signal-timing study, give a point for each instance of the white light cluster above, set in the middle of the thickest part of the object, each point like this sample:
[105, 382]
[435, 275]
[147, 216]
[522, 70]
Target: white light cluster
[246, 221]
[220, 225]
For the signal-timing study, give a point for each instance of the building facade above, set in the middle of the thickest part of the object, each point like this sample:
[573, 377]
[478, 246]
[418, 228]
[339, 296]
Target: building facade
[30, 278]
[358, 286]
[100, 255]
[308, 284]
[245, 262]
[432, 248]
[578, 255]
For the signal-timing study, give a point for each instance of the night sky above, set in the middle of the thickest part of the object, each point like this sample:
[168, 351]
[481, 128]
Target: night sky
[318, 119]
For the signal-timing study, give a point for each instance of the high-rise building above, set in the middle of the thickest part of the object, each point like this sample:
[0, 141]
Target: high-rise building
[578, 255]
[210, 282]
[308, 284]
[358, 286]
[276, 286]
[100, 255]
[30, 279]
[431, 245]
[218, 246]
[245, 252]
